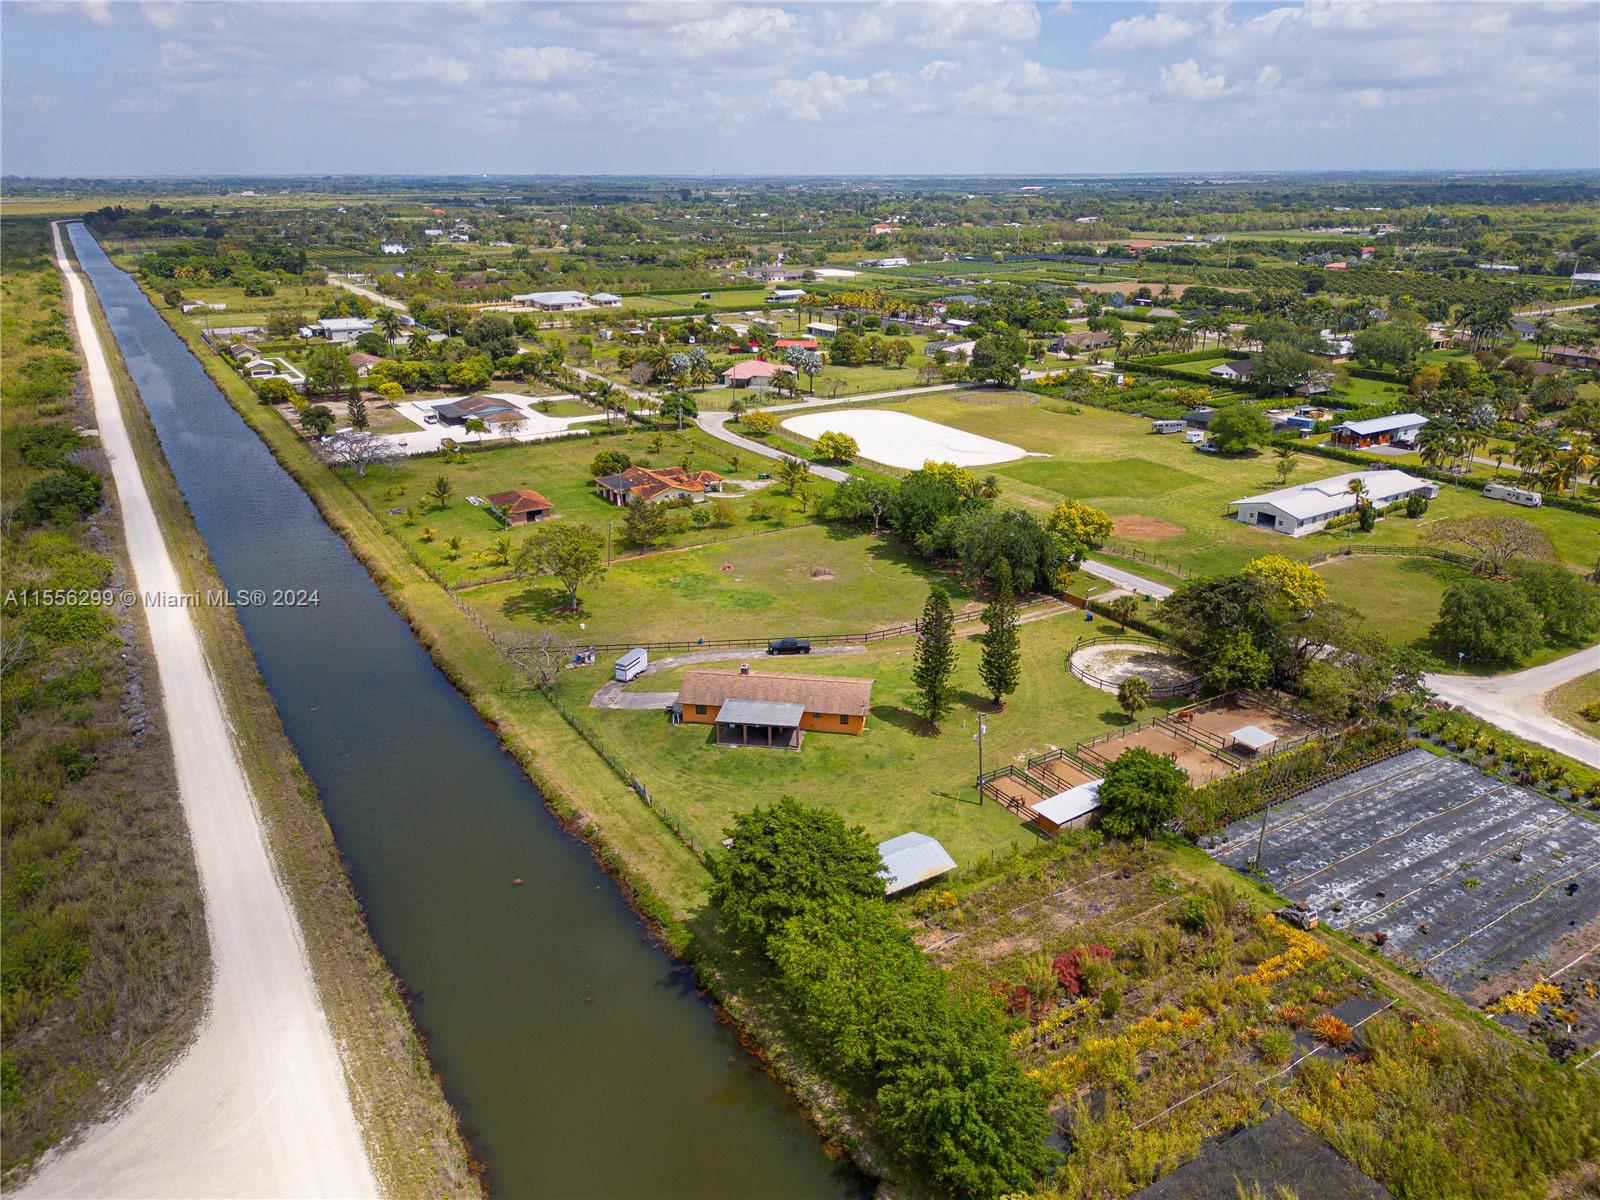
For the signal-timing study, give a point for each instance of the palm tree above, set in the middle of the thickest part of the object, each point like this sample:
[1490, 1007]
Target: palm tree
[605, 395]
[1358, 489]
[440, 491]
[390, 322]
[793, 472]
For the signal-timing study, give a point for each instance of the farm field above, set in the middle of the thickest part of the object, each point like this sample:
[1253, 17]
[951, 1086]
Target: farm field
[1116, 963]
[1113, 461]
[895, 777]
[561, 471]
[1487, 876]
[802, 581]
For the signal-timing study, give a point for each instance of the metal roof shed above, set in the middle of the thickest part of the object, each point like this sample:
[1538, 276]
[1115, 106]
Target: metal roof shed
[1253, 738]
[910, 859]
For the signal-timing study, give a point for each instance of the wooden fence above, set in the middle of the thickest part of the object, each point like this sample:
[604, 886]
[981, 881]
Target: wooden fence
[1165, 691]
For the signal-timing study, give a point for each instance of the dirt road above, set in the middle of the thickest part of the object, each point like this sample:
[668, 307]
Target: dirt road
[257, 1105]
[1516, 702]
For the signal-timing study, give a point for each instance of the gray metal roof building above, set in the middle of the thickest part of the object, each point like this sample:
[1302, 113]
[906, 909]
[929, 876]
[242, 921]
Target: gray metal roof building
[910, 859]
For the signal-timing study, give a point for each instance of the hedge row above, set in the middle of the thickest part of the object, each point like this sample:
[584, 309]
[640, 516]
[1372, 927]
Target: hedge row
[1182, 357]
[1189, 377]
[1587, 508]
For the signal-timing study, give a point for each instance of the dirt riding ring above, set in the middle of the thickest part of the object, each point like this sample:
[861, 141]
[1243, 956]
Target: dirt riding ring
[1105, 662]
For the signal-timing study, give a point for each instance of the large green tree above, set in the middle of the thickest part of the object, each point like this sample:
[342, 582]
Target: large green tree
[786, 859]
[569, 550]
[1001, 665]
[1489, 621]
[933, 665]
[1141, 791]
[1236, 429]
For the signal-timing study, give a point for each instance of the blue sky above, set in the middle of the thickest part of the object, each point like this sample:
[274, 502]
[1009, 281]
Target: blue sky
[789, 88]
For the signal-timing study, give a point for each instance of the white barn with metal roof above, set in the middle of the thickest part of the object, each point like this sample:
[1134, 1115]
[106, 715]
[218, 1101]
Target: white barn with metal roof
[1298, 511]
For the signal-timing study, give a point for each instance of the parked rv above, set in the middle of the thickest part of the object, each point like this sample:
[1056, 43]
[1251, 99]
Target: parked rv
[1513, 495]
[1167, 426]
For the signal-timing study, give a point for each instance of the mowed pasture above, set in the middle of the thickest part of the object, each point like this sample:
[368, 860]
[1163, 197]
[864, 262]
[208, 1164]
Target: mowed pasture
[898, 775]
[1113, 461]
[803, 581]
[1459, 874]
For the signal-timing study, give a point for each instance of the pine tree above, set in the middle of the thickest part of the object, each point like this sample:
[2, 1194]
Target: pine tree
[1001, 667]
[935, 660]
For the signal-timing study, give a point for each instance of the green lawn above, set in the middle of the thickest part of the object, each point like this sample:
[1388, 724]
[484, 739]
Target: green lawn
[894, 778]
[1567, 699]
[561, 471]
[1113, 461]
[802, 581]
[1398, 597]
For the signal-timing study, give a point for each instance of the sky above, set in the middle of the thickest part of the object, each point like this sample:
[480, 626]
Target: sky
[660, 87]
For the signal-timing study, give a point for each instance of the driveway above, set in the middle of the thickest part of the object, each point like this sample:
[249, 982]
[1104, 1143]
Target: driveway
[1127, 579]
[610, 694]
[536, 427]
[256, 1106]
[1516, 702]
[375, 297]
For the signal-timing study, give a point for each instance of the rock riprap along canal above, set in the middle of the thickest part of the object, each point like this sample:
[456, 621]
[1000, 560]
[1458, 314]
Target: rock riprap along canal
[576, 1051]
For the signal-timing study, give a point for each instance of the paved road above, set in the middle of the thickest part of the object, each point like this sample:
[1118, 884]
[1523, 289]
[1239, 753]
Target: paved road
[1516, 702]
[257, 1105]
[611, 693]
[1125, 579]
[375, 297]
[716, 424]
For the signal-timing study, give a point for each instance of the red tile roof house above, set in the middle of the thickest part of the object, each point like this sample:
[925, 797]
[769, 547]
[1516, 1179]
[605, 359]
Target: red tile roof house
[803, 343]
[651, 484]
[520, 506]
[742, 374]
[363, 363]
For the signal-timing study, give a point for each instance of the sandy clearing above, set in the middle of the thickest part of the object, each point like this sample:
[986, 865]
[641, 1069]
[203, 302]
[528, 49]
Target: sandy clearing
[900, 440]
[257, 1105]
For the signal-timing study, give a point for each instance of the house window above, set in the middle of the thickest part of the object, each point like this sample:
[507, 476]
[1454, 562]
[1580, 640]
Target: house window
[699, 710]
[843, 720]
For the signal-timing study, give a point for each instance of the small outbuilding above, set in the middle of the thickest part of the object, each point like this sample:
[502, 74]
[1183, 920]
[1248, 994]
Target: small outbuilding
[1071, 809]
[911, 859]
[1400, 429]
[520, 506]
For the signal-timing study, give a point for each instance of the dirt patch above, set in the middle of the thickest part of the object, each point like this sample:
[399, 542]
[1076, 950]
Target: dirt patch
[1144, 529]
[1106, 666]
[821, 574]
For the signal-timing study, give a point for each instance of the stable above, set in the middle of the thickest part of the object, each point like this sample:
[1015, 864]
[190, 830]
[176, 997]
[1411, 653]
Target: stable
[552, 301]
[1400, 429]
[1298, 511]
[1071, 809]
[772, 709]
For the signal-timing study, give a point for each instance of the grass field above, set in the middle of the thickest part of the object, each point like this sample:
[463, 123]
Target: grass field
[1398, 597]
[1114, 462]
[561, 471]
[1567, 699]
[895, 777]
[801, 581]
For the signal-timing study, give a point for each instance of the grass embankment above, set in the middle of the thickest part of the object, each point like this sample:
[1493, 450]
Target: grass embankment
[105, 954]
[1569, 701]
[411, 1132]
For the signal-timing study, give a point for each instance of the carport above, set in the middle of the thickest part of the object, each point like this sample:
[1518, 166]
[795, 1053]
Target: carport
[1253, 738]
[760, 723]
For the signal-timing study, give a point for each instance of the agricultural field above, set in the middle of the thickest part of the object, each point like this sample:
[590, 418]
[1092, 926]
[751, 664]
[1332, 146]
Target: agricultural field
[895, 777]
[1113, 461]
[561, 471]
[1452, 872]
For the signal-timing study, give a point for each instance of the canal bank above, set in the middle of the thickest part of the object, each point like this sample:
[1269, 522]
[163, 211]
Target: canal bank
[579, 1053]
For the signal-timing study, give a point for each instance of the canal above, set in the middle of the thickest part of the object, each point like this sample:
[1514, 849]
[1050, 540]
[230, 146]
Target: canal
[576, 1051]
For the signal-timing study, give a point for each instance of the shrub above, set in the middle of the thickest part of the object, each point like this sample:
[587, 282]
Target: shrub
[1276, 1046]
[1331, 1030]
[71, 493]
[609, 462]
[759, 423]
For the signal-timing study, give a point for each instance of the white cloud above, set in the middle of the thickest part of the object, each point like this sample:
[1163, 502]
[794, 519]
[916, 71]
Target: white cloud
[1133, 34]
[817, 97]
[1186, 82]
[542, 64]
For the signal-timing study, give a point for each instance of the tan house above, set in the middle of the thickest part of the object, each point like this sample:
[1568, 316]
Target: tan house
[363, 363]
[771, 709]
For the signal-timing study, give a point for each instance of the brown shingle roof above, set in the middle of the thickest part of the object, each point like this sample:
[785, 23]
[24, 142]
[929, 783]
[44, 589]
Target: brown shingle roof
[841, 694]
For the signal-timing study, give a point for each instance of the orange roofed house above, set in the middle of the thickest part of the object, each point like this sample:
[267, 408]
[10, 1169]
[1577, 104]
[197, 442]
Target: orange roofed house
[520, 506]
[656, 483]
[772, 709]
